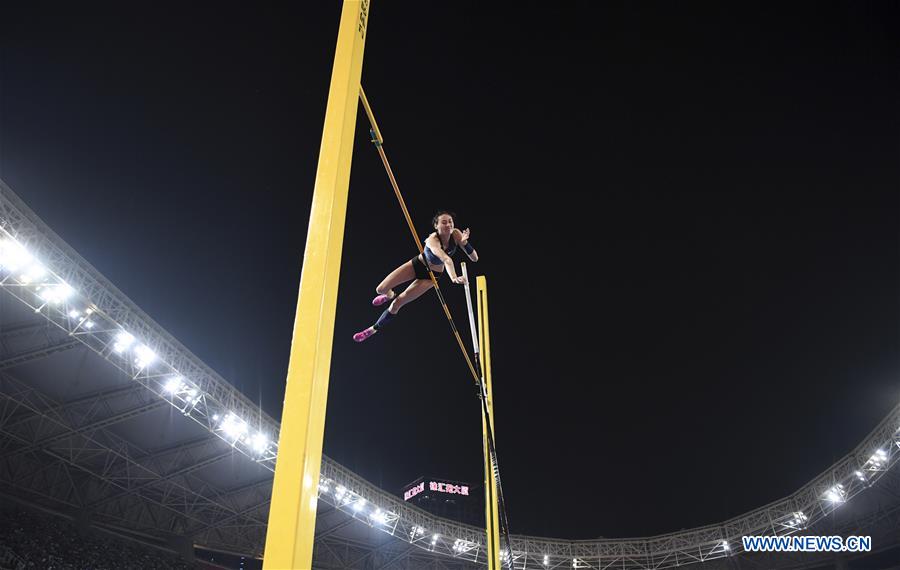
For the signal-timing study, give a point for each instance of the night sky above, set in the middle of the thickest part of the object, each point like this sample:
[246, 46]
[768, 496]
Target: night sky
[687, 214]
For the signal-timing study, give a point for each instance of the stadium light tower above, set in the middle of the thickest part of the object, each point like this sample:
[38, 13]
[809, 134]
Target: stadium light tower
[292, 514]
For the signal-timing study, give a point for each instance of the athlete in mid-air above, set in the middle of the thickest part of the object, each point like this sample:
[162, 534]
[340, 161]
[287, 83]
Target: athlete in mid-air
[440, 245]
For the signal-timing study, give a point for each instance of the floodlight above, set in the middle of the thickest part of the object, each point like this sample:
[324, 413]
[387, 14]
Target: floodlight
[233, 426]
[123, 341]
[259, 442]
[145, 356]
[835, 494]
[55, 293]
[13, 255]
[174, 384]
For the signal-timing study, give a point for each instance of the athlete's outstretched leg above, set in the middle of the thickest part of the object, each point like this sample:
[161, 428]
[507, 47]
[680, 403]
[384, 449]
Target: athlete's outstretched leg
[385, 289]
[415, 290]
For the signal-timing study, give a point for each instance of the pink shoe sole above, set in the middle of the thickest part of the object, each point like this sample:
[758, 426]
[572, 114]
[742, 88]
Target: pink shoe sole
[363, 335]
[380, 300]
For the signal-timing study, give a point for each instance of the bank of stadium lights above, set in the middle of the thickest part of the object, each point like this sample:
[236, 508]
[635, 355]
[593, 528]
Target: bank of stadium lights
[546, 560]
[143, 356]
[234, 427]
[55, 293]
[797, 520]
[178, 388]
[58, 301]
[123, 341]
[344, 498]
[259, 442]
[878, 459]
[340, 495]
[461, 546]
[836, 494]
[173, 386]
[83, 320]
[23, 269]
[13, 256]
[877, 462]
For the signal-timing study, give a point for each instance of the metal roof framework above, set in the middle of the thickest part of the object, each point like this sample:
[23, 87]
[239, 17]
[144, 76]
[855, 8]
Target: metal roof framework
[105, 415]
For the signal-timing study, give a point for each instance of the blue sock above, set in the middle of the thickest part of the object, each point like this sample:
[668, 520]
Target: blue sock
[384, 319]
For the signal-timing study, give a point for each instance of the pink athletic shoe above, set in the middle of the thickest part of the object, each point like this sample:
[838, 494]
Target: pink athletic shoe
[381, 300]
[363, 335]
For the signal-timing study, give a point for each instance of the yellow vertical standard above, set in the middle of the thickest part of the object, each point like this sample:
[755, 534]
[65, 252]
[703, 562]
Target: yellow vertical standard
[292, 512]
[491, 509]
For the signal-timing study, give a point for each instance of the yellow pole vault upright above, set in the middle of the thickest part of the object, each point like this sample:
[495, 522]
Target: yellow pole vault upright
[292, 513]
[491, 509]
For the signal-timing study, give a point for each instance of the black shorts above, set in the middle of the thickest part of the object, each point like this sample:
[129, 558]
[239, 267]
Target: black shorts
[421, 270]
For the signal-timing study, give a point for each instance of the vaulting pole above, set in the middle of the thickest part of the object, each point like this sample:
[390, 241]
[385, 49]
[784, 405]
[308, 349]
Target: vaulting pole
[292, 512]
